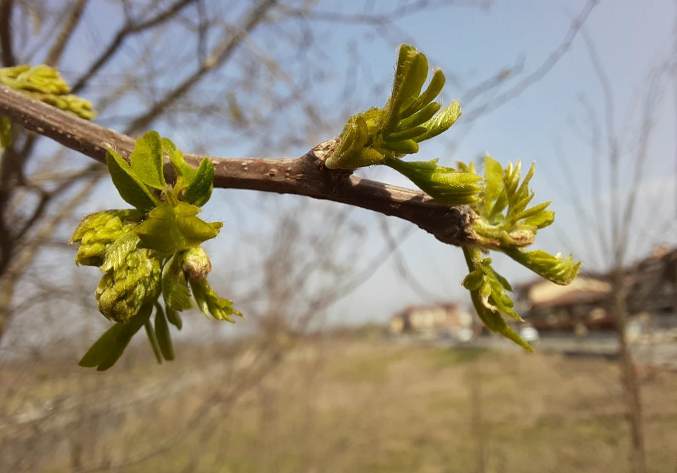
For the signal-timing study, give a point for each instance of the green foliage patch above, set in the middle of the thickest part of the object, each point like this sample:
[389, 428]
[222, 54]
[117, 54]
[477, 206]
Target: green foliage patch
[499, 200]
[150, 255]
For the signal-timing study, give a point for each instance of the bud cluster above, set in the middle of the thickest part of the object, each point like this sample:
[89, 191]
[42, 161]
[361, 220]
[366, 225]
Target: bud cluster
[150, 254]
[98, 231]
[121, 292]
[44, 83]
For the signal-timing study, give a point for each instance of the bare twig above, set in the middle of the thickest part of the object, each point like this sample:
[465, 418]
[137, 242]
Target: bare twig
[128, 29]
[67, 30]
[221, 53]
[6, 51]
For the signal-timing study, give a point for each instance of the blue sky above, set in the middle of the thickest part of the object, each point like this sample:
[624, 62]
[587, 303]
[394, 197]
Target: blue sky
[473, 45]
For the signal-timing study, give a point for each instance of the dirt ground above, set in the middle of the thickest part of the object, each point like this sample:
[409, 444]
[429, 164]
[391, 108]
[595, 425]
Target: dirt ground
[332, 405]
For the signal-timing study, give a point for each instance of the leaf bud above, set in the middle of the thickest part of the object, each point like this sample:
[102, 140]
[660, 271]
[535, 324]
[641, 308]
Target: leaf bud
[196, 264]
[121, 292]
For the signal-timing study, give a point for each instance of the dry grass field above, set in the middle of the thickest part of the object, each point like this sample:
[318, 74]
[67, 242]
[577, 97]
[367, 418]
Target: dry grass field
[337, 405]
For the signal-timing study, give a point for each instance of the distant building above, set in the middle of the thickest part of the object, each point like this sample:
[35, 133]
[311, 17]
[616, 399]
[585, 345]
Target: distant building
[433, 321]
[584, 305]
[550, 307]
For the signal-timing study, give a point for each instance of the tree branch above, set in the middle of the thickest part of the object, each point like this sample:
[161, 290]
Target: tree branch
[6, 51]
[305, 175]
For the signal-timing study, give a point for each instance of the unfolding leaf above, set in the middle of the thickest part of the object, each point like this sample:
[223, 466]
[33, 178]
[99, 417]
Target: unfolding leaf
[431, 92]
[169, 229]
[181, 167]
[473, 280]
[402, 147]
[554, 268]
[153, 341]
[173, 317]
[130, 187]
[200, 190]
[444, 184]
[118, 251]
[164, 338]
[210, 303]
[541, 220]
[493, 173]
[410, 75]
[110, 346]
[146, 160]
[441, 122]
[175, 289]
[422, 116]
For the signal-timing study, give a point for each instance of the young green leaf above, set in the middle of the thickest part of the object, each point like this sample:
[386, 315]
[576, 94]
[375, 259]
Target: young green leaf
[153, 341]
[420, 117]
[493, 173]
[210, 303]
[146, 160]
[181, 167]
[410, 75]
[431, 92]
[169, 229]
[402, 147]
[200, 190]
[559, 270]
[173, 317]
[175, 289]
[441, 122]
[110, 346]
[164, 338]
[118, 251]
[445, 185]
[130, 187]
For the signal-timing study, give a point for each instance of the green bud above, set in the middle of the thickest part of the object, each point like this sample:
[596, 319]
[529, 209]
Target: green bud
[42, 78]
[196, 264]
[44, 83]
[446, 185]
[121, 292]
[97, 231]
[69, 103]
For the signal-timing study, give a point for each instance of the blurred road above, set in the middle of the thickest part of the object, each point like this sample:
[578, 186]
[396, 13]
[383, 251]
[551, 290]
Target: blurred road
[658, 353]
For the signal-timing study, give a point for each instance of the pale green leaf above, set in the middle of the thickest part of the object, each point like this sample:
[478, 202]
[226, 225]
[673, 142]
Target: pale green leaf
[445, 185]
[175, 289]
[118, 251]
[432, 91]
[554, 268]
[422, 116]
[173, 317]
[441, 122]
[164, 338]
[110, 346]
[150, 333]
[493, 173]
[146, 160]
[402, 147]
[181, 167]
[200, 190]
[169, 229]
[130, 187]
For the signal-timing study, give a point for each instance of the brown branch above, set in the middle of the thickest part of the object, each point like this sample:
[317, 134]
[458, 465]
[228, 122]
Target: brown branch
[305, 176]
[6, 8]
